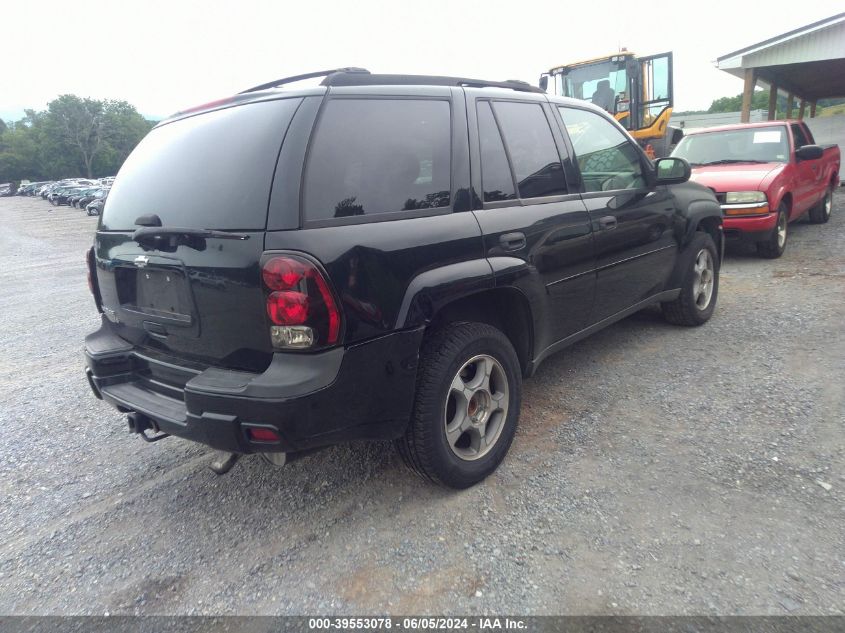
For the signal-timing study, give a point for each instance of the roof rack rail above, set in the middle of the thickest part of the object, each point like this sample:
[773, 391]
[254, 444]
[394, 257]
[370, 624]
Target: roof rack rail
[342, 78]
[319, 73]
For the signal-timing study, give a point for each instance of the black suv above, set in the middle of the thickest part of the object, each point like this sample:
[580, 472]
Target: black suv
[380, 257]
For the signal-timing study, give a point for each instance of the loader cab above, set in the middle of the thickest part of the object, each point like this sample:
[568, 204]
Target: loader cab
[636, 91]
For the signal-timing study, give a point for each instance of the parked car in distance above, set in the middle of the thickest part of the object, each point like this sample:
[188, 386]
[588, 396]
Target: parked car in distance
[6, 189]
[765, 176]
[47, 192]
[62, 195]
[75, 196]
[81, 198]
[30, 189]
[95, 207]
[437, 241]
[96, 194]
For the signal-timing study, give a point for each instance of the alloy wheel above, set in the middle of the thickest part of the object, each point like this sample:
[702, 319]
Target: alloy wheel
[476, 407]
[702, 285]
[782, 223]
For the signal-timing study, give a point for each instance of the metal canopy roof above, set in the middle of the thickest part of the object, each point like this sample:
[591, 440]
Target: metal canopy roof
[809, 62]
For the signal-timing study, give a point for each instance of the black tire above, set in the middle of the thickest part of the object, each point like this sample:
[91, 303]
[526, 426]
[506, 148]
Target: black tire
[425, 447]
[820, 213]
[773, 248]
[689, 309]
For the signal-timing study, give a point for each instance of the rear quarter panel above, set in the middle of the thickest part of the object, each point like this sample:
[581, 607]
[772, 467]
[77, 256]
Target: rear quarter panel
[372, 266]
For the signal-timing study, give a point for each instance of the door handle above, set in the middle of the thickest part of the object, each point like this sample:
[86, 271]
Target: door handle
[608, 222]
[512, 241]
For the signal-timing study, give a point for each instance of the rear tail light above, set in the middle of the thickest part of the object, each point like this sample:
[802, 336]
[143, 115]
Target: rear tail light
[300, 304]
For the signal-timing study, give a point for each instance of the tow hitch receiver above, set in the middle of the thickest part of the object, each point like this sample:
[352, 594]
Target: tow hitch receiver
[154, 438]
[139, 423]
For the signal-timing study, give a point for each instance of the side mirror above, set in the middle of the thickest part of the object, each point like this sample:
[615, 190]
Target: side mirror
[544, 82]
[809, 152]
[672, 170]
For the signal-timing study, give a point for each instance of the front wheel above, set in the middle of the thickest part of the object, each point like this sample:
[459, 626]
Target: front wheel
[466, 408]
[774, 247]
[700, 285]
[820, 213]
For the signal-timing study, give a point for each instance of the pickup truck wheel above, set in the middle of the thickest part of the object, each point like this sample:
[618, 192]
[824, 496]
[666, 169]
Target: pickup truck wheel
[466, 408]
[700, 286]
[774, 247]
[820, 213]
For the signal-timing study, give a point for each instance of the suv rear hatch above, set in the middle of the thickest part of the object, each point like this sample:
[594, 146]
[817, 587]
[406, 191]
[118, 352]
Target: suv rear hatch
[182, 233]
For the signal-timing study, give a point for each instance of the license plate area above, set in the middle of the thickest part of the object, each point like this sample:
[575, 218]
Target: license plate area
[159, 294]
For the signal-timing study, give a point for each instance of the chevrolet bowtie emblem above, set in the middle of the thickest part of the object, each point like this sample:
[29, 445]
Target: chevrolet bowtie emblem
[141, 261]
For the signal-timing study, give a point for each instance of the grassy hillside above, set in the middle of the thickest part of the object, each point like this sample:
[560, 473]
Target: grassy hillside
[831, 110]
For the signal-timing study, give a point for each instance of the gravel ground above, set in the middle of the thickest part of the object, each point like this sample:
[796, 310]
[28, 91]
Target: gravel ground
[657, 470]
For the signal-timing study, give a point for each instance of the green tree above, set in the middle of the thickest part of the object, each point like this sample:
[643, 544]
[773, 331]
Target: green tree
[760, 101]
[80, 127]
[19, 152]
[74, 136]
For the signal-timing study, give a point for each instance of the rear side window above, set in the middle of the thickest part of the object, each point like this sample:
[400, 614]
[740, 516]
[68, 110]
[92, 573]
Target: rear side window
[532, 149]
[372, 156]
[210, 171]
[496, 178]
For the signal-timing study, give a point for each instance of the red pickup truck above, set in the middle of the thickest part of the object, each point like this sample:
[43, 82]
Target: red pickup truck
[765, 175]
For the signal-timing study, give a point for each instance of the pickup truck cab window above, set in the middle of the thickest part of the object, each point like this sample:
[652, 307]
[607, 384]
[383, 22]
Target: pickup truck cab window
[372, 156]
[799, 136]
[608, 161]
[532, 149]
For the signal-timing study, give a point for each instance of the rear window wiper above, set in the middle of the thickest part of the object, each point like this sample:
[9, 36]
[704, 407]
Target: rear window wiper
[153, 228]
[163, 231]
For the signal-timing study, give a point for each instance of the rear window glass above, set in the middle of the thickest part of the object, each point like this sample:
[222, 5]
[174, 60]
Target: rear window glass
[210, 171]
[371, 156]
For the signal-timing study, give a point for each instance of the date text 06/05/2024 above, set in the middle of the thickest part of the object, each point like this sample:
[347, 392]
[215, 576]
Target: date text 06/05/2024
[416, 624]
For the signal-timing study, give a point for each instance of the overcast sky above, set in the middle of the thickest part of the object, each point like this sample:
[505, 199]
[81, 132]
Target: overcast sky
[165, 56]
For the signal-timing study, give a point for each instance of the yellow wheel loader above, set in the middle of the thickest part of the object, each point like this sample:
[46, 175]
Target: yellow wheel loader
[637, 91]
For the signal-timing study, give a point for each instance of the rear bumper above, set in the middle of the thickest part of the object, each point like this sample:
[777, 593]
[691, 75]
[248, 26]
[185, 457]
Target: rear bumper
[750, 229]
[362, 392]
